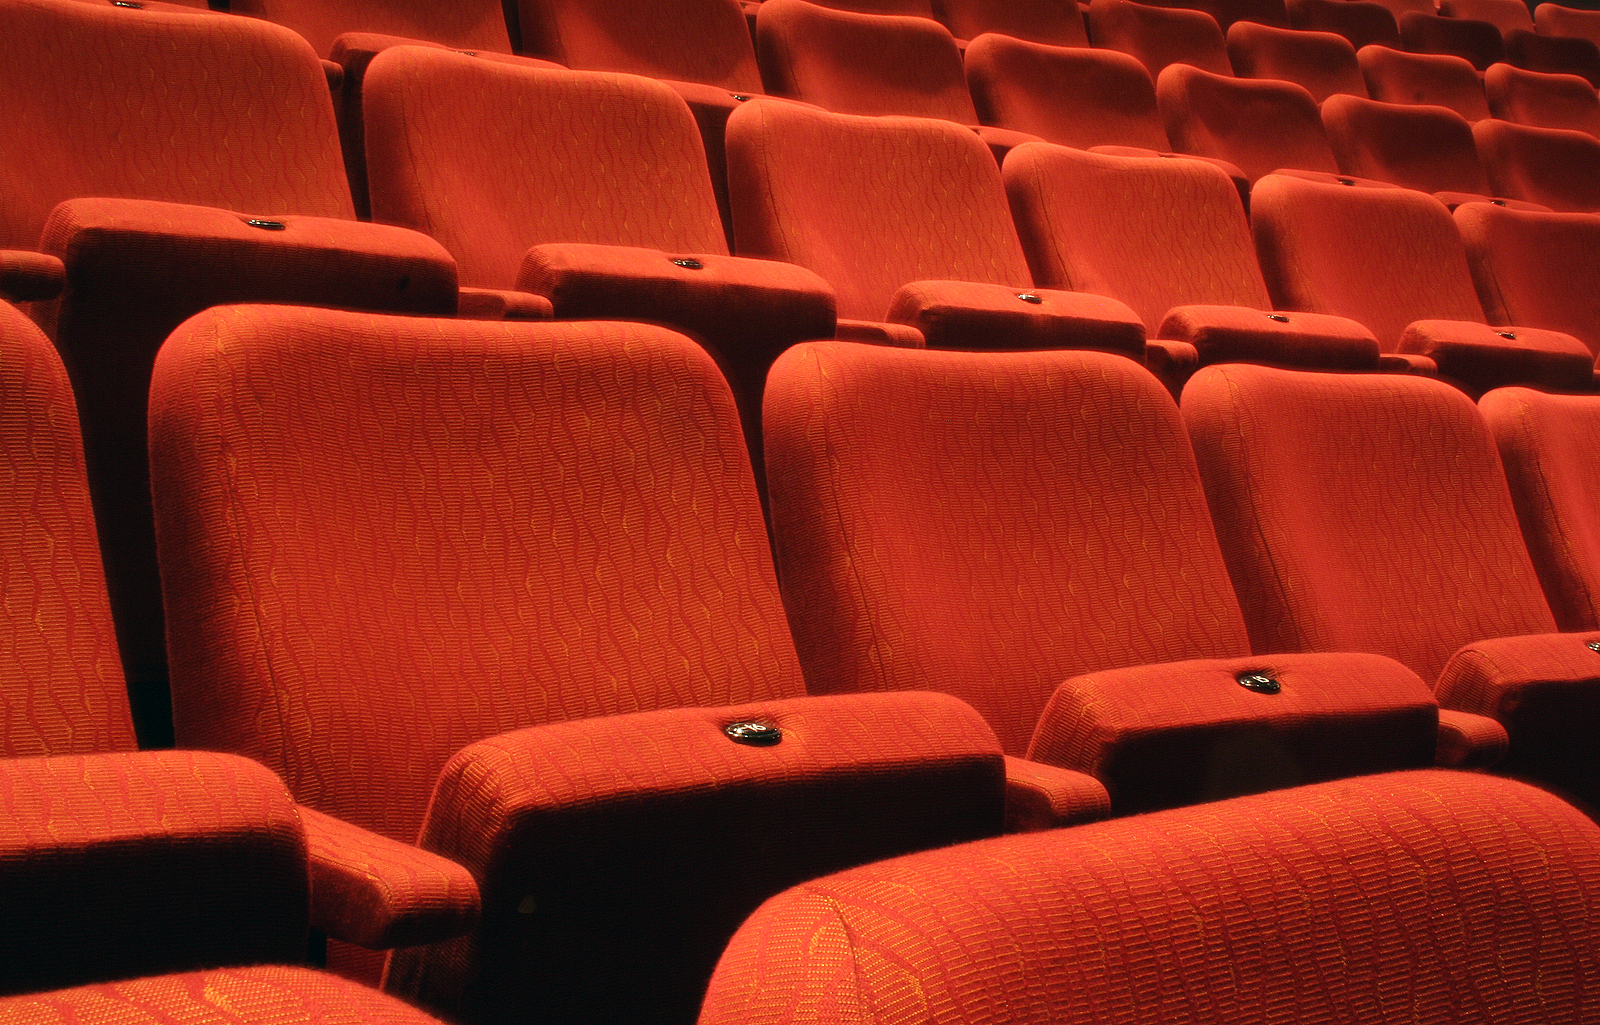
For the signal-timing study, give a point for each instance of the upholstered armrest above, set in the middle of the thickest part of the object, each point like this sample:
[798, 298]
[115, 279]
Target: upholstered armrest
[1040, 796]
[1545, 690]
[1484, 357]
[632, 846]
[1241, 181]
[27, 276]
[1164, 735]
[1455, 199]
[1002, 140]
[968, 315]
[876, 332]
[1469, 741]
[1408, 363]
[1172, 362]
[502, 304]
[379, 893]
[116, 865]
[1235, 334]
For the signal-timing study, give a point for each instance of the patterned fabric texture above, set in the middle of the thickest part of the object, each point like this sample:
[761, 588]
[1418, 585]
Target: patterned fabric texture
[1534, 269]
[458, 24]
[1426, 897]
[1417, 147]
[933, 535]
[1553, 167]
[705, 41]
[1219, 116]
[1159, 36]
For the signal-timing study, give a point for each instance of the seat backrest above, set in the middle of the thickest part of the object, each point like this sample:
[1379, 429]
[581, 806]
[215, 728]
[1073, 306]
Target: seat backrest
[61, 681]
[1361, 512]
[1550, 445]
[1477, 41]
[1323, 62]
[1553, 167]
[905, 8]
[1054, 22]
[1556, 20]
[1256, 124]
[239, 116]
[1554, 55]
[1434, 79]
[918, 200]
[462, 24]
[1360, 21]
[705, 41]
[492, 158]
[1505, 15]
[1382, 257]
[385, 538]
[1075, 97]
[1159, 36]
[1535, 269]
[1541, 100]
[1472, 889]
[1399, 8]
[1230, 12]
[1151, 233]
[987, 524]
[861, 63]
[1418, 147]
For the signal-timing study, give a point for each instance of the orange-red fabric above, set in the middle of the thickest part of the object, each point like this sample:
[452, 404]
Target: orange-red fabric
[619, 855]
[1256, 124]
[1554, 167]
[1556, 55]
[501, 304]
[232, 996]
[1159, 36]
[1361, 22]
[964, 315]
[1505, 15]
[1168, 735]
[1076, 97]
[1403, 7]
[1478, 357]
[1040, 796]
[705, 41]
[1470, 741]
[1228, 13]
[1429, 149]
[987, 524]
[1555, 20]
[1546, 692]
[61, 684]
[86, 117]
[878, 332]
[1235, 334]
[491, 158]
[1361, 513]
[124, 864]
[1323, 62]
[861, 63]
[1039, 21]
[1541, 100]
[1550, 445]
[1424, 896]
[1476, 41]
[918, 200]
[1436, 79]
[458, 24]
[1382, 257]
[909, 8]
[26, 276]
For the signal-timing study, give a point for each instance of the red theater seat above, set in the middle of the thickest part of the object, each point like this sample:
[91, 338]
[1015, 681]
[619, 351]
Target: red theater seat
[504, 590]
[1429, 149]
[1360, 21]
[1554, 55]
[1478, 42]
[1391, 259]
[1430, 891]
[1323, 62]
[1370, 513]
[1230, 12]
[1432, 79]
[1003, 527]
[1535, 268]
[1542, 101]
[1552, 167]
[1053, 22]
[1506, 15]
[1571, 22]
[1159, 36]
[1072, 96]
[1256, 124]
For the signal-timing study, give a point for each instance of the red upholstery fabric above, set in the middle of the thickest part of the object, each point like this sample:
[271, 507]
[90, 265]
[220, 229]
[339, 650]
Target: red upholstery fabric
[1168, 735]
[28, 276]
[1479, 357]
[1414, 896]
[918, 200]
[1323, 62]
[877, 332]
[1039, 21]
[1398, 8]
[233, 996]
[124, 864]
[705, 41]
[1234, 334]
[964, 315]
[1554, 55]
[1477, 41]
[1440, 80]
[1546, 691]
[933, 535]
[1230, 12]
[61, 679]
[1159, 36]
[501, 304]
[910, 8]
[1075, 97]
[491, 159]
[1470, 741]
[1256, 124]
[1426, 148]
[620, 868]
[1040, 796]
[1556, 20]
[1548, 444]
[458, 24]
[1382, 257]
[1363, 23]
[1541, 100]
[1361, 513]
[1505, 15]
[1556, 168]
[861, 63]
